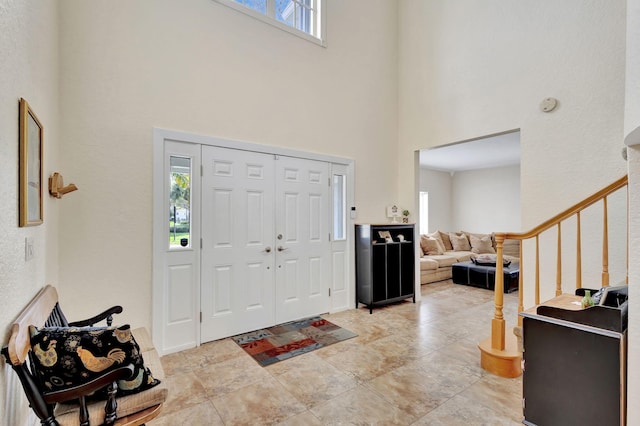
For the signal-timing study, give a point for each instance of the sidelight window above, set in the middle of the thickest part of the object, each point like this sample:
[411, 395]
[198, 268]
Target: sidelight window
[180, 202]
[339, 207]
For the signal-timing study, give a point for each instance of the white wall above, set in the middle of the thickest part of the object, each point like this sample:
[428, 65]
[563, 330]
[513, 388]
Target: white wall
[486, 200]
[438, 185]
[632, 77]
[633, 372]
[29, 69]
[200, 67]
[464, 200]
[632, 121]
[471, 68]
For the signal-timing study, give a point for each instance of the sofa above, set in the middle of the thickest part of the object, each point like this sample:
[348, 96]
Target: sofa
[440, 250]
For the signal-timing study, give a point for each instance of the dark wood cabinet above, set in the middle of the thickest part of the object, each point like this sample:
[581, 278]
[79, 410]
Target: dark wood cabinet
[385, 262]
[574, 364]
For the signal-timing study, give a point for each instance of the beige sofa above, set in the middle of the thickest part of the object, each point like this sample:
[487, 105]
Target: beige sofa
[440, 250]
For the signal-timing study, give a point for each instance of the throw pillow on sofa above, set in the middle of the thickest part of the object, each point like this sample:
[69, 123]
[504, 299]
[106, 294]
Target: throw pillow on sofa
[430, 246]
[444, 236]
[459, 242]
[436, 235]
[481, 245]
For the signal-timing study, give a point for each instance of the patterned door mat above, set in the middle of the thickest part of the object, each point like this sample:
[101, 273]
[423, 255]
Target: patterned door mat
[284, 341]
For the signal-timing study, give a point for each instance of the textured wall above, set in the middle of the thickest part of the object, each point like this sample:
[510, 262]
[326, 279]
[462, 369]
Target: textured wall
[29, 69]
[632, 121]
[633, 373]
[632, 100]
[469, 69]
[201, 67]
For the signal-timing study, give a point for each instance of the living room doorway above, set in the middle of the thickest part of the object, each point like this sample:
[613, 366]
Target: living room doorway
[463, 181]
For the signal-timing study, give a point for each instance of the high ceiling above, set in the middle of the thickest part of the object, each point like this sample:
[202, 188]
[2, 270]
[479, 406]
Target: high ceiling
[495, 151]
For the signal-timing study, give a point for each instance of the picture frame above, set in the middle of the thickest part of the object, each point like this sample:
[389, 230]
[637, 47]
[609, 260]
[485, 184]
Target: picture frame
[393, 212]
[30, 167]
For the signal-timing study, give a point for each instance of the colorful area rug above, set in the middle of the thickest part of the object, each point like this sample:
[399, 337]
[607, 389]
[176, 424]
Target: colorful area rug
[274, 344]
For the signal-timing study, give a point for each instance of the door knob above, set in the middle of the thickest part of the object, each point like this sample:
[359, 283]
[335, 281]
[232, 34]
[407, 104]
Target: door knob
[280, 248]
[267, 249]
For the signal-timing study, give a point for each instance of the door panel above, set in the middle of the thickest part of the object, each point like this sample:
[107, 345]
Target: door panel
[222, 294]
[222, 217]
[180, 306]
[302, 227]
[265, 251]
[237, 288]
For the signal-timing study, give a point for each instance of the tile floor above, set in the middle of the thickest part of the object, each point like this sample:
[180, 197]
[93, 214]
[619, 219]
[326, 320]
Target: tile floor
[411, 364]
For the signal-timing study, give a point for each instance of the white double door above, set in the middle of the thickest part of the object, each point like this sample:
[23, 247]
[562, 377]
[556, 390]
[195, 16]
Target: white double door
[265, 254]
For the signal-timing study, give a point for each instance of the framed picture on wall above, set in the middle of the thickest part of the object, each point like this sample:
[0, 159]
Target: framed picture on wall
[30, 191]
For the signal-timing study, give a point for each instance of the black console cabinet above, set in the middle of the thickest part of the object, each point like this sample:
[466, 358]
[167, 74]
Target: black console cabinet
[384, 266]
[575, 364]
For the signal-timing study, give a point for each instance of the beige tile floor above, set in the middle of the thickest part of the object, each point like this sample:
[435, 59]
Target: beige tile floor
[411, 364]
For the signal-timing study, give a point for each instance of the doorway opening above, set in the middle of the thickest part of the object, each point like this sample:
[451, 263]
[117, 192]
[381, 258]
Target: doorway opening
[466, 179]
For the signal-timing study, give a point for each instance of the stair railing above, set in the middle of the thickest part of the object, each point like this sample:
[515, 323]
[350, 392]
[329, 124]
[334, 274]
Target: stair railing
[498, 322]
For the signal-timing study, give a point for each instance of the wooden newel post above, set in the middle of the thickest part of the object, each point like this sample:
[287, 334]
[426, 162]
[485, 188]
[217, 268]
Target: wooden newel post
[498, 323]
[499, 354]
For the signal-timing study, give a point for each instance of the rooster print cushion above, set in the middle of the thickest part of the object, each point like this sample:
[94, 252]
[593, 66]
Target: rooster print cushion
[64, 357]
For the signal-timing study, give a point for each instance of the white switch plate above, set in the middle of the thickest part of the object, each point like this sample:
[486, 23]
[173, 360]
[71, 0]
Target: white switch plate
[28, 248]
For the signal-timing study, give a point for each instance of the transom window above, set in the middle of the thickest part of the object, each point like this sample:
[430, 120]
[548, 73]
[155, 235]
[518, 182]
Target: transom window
[300, 17]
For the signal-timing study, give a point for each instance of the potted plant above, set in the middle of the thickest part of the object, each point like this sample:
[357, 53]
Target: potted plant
[405, 216]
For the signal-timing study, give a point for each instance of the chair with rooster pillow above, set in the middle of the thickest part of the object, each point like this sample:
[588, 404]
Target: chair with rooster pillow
[80, 374]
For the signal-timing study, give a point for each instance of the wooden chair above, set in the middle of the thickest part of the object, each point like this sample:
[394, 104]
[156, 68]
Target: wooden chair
[71, 406]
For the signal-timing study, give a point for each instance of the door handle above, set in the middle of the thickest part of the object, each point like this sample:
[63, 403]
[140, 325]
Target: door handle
[267, 250]
[280, 248]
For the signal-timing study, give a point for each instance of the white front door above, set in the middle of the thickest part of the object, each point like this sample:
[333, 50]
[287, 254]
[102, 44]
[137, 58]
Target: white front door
[303, 269]
[237, 279]
[217, 270]
[265, 241]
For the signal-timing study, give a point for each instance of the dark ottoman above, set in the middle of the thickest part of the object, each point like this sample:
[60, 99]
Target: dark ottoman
[468, 273]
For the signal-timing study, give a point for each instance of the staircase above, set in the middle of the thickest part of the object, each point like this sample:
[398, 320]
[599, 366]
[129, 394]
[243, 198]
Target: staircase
[500, 354]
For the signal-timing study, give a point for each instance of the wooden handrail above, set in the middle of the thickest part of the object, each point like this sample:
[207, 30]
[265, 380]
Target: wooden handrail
[498, 323]
[620, 183]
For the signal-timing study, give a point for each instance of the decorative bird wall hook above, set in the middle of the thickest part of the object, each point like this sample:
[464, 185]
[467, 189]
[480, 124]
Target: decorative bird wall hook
[57, 188]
